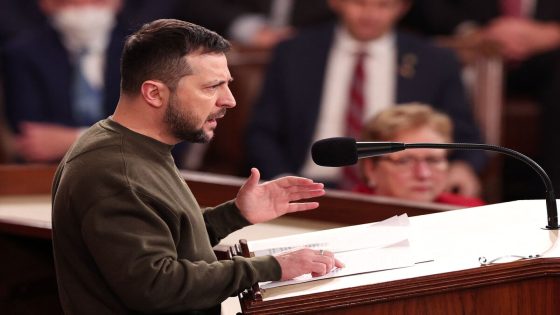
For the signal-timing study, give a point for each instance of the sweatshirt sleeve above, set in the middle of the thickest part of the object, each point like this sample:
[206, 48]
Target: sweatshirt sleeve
[134, 244]
[223, 220]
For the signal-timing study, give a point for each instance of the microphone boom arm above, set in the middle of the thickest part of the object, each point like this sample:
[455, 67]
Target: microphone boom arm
[343, 151]
[552, 212]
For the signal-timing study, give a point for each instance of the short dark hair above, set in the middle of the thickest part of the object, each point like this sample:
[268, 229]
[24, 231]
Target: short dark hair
[157, 50]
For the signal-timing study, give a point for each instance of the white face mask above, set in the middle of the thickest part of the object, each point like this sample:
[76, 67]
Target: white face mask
[84, 26]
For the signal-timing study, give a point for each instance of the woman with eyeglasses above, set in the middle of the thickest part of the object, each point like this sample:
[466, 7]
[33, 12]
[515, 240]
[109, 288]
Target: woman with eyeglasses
[418, 174]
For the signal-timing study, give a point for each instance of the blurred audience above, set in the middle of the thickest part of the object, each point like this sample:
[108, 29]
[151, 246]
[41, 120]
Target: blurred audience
[418, 174]
[63, 74]
[326, 80]
[137, 12]
[527, 34]
[257, 23]
[522, 28]
[17, 16]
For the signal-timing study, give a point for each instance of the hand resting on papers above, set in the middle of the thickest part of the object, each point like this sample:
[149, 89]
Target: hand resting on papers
[303, 261]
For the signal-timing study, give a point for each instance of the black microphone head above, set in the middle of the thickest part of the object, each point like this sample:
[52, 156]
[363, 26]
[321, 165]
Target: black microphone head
[340, 151]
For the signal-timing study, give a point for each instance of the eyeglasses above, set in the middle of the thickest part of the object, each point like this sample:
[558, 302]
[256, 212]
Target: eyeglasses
[406, 163]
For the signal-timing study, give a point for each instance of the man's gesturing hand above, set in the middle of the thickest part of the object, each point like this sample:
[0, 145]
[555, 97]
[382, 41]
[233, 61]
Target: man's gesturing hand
[303, 261]
[269, 200]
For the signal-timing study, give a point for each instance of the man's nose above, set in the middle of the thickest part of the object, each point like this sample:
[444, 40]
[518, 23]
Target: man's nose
[226, 98]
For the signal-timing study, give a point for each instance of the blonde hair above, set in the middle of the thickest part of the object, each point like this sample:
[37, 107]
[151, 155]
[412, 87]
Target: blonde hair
[385, 125]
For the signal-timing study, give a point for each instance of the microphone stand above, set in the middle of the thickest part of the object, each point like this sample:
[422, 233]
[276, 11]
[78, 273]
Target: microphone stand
[369, 149]
[342, 151]
[551, 208]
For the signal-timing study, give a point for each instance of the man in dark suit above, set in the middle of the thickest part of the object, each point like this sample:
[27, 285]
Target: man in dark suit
[307, 81]
[17, 16]
[527, 34]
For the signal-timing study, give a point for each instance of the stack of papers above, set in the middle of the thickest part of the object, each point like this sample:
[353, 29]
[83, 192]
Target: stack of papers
[362, 248]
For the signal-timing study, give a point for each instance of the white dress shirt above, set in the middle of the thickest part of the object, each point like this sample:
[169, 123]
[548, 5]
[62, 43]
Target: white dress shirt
[380, 90]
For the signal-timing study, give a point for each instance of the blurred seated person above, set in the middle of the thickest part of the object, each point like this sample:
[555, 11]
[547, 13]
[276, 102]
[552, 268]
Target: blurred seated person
[521, 28]
[257, 23]
[416, 174]
[526, 34]
[135, 13]
[62, 76]
[324, 81]
[17, 16]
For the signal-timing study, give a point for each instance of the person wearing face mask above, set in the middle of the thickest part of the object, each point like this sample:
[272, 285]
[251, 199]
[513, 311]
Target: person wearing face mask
[419, 174]
[62, 76]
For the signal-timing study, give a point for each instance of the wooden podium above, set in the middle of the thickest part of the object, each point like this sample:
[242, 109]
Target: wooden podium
[524, 287]
[447, 286]
[451, 285]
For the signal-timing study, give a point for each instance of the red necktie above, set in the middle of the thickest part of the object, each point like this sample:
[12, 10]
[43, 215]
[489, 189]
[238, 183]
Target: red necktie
[511, 7]
[354, 117]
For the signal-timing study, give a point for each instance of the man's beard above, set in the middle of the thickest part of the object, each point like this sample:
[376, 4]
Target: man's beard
[183, 124]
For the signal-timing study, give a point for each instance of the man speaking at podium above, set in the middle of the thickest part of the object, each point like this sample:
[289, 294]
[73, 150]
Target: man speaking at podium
[128, 235]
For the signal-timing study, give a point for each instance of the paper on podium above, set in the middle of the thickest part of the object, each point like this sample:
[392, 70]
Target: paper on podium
[362, 248]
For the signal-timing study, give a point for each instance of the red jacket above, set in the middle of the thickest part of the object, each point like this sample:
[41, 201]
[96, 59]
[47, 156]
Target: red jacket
[446, 198]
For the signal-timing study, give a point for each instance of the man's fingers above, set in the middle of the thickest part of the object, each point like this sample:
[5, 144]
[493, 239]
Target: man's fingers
[305, 187]
[323, 264]
[318, 269]
[306, 194]
[288, 181]
[253, 179]
[307, 261]
[302, 206]
[338, 263]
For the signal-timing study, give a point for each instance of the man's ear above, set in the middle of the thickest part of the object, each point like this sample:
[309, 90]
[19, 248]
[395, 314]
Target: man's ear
[154, 93]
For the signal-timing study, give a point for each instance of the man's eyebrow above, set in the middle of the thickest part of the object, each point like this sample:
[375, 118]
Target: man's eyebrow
[220, 82]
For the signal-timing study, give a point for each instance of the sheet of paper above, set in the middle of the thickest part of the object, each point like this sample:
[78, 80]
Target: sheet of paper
[362, 248]
[370, 235]
[359, 261]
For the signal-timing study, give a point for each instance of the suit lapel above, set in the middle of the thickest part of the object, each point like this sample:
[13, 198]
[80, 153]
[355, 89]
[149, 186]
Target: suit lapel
[407, 61]
[308, 85]
[312, 72]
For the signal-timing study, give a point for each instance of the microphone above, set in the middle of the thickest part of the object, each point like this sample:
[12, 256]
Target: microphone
[343, 151]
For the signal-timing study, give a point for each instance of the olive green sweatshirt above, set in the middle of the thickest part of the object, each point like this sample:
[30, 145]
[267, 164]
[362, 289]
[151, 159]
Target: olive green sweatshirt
[129, 236]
